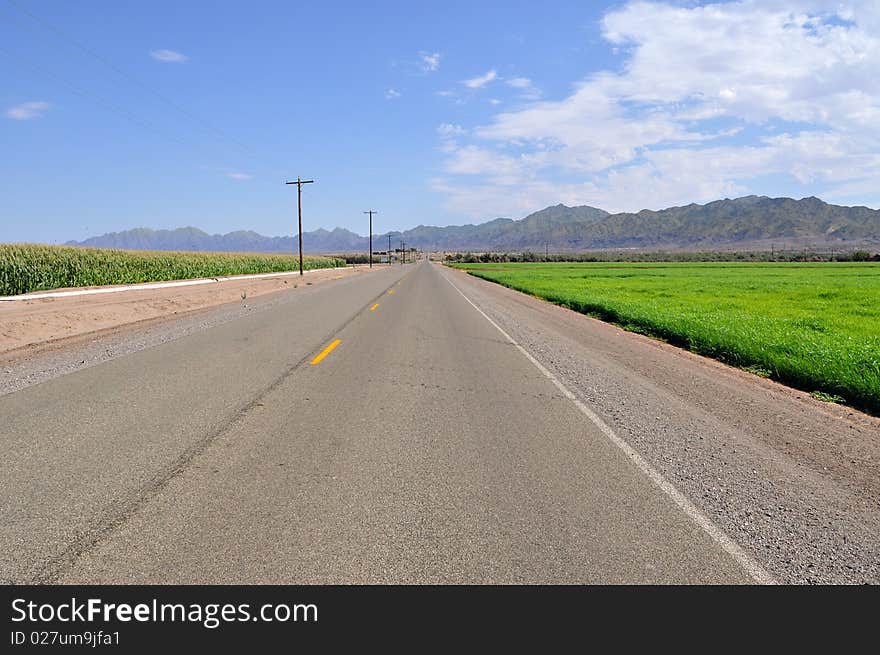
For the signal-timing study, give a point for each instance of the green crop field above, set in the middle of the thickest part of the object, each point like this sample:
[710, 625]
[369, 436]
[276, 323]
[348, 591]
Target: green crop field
[812, 326]
[25, 267]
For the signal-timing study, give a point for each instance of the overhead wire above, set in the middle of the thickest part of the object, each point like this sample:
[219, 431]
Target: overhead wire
[100, 101]
[204, 124]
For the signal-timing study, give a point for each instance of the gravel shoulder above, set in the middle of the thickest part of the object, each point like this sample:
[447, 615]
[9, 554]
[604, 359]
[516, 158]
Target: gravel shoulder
[794, 480]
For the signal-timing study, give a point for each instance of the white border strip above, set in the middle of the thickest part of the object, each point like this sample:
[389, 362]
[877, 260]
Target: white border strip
[751, 566]
[151, 285]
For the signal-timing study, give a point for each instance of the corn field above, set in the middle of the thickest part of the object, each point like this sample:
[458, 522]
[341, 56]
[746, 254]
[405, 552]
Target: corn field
[33, 267]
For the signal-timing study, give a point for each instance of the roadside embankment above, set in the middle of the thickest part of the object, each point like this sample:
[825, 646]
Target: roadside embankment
[31, 324]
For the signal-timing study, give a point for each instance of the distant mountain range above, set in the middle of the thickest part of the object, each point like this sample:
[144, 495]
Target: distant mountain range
[752, 220]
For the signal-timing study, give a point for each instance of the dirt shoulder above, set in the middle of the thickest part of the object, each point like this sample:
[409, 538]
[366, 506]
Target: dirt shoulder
[28, 327]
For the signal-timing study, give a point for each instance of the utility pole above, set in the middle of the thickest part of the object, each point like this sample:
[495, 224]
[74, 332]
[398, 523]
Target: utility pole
[371, 212]
[389, 248]
[299, 203]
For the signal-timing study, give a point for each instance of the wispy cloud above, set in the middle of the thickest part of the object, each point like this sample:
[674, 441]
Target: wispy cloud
[391, 94]
[168, 56]
[27, 110]
[452, 96]
[430, 61]
[481, 81]
[449, 130]
[239, 176]
[525, 86]
[519, 82]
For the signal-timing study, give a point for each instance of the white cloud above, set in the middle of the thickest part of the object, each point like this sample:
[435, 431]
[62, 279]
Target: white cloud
[27, 110]
[430, 61]
[481, 81]
[525, 87]
[494, 101]
[721, 96]
[391, 94]
[239, 176]
[452, 96]
[168, 56]
[449, 130]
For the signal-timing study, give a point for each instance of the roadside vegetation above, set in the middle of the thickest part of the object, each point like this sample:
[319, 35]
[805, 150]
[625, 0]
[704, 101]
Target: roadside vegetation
[379, 256]
[790, 255]
[27, 267]
[811, 326]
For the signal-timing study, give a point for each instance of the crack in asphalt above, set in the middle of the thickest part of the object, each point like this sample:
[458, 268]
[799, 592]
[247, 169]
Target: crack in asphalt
[90, 537]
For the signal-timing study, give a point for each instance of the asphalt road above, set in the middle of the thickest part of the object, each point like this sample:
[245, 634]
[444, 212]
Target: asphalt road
[382, 429]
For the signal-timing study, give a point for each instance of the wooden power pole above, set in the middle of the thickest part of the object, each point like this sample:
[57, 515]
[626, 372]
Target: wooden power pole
[371, 212]
[299, 203]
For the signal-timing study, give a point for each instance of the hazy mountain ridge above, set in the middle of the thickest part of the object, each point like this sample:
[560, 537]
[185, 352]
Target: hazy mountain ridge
[750, 219]
[191, 238]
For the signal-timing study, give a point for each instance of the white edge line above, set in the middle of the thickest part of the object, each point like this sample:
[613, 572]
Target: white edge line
[728, 545]
[152, 285]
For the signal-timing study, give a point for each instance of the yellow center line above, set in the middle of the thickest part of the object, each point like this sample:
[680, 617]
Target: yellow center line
[374, 306]
[325, 352]
[390, 290]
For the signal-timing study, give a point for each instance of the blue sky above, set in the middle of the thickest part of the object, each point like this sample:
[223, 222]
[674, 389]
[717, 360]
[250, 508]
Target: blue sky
[163, 114]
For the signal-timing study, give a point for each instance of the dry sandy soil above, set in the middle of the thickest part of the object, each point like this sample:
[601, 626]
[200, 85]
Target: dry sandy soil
[31, 326]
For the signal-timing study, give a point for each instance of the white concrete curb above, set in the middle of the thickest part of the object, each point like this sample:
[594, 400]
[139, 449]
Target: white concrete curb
[150, 285]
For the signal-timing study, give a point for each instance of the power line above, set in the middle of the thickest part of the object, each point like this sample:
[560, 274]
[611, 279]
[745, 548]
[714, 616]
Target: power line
[115, 109]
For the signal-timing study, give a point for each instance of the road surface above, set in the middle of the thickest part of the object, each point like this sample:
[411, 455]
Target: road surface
[399, 427]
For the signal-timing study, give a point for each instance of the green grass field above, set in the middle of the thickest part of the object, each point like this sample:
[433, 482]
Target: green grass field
[26, 267]
[812, 326]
